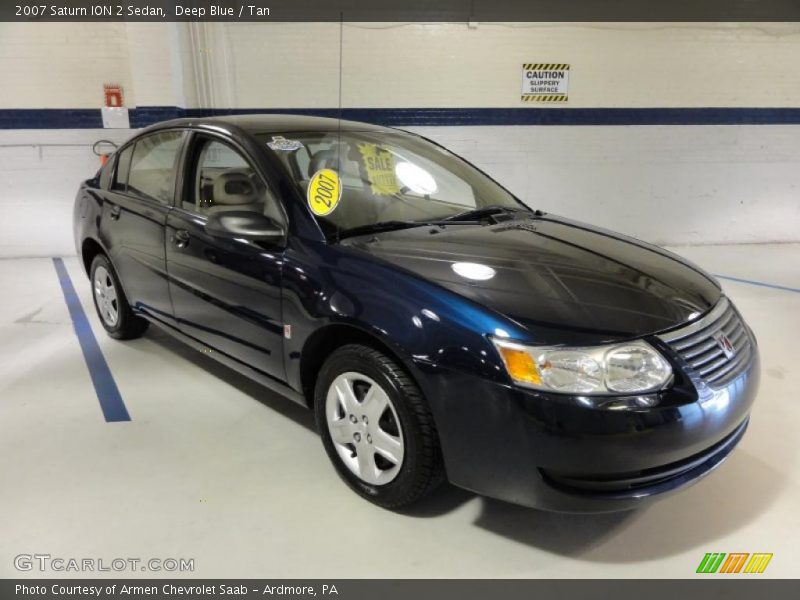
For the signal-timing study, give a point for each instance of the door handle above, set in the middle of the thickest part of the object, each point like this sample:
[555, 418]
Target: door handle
[115, 211]
[181, 238]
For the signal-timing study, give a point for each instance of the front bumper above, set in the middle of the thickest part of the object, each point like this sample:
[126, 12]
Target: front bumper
[550, 452]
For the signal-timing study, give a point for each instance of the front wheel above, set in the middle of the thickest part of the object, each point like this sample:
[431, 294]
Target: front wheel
[377, 428]
[109, 300]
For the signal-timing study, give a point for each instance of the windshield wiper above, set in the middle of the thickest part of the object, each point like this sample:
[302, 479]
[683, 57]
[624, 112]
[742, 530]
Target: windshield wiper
[379, 227]
[486, 211]
[470, 217]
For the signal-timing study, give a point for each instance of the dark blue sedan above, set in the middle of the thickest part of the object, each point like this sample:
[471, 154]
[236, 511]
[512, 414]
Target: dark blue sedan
[439, 328]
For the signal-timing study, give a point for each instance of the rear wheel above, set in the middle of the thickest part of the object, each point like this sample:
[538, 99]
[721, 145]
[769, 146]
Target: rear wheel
[112, 307]
[377, 428]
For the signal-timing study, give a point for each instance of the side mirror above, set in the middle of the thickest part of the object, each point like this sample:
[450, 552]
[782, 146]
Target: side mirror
[246, 225]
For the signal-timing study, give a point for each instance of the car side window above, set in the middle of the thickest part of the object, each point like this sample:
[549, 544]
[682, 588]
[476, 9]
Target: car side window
[153, 165]
[123, 163]
[224, 180]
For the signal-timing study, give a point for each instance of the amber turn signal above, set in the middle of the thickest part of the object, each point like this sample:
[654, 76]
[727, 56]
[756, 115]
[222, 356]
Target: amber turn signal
[519, 363]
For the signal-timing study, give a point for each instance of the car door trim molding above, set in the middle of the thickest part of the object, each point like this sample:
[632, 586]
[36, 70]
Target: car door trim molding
[259, 376]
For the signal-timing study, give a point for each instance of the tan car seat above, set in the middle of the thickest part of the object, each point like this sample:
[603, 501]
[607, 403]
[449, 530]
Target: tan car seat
[235, 190]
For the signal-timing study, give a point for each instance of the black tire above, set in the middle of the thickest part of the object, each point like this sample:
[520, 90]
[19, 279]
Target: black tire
[128, 325]
[422, 468]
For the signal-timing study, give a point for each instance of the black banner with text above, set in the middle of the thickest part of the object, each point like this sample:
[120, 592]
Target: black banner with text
[399, 10]
[367, 589]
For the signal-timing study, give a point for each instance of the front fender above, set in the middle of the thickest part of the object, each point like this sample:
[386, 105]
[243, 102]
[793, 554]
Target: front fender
[427, 326]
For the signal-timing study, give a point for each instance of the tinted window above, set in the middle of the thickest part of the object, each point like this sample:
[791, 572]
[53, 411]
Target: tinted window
[386, 177]
[123, 164]
[224, 180]
[152, 172]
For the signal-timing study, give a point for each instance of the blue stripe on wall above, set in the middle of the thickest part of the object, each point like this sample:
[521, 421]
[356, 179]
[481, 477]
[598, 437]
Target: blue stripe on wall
[104, 385]
[50, 118]
[53, 118]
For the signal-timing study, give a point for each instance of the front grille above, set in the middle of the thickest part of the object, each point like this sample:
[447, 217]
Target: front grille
[697, 344]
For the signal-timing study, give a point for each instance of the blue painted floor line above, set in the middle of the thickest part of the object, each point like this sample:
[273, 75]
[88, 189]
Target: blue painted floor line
[104, 385]
[759, 283]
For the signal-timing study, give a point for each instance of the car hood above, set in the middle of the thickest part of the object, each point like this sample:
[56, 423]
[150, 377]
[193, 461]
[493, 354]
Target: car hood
[564, 281]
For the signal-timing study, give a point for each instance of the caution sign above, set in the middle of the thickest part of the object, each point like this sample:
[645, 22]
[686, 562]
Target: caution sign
[545, 82]
[379, 164]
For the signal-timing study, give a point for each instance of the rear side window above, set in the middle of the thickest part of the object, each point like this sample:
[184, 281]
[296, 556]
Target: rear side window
[153, 166]
[123, 165]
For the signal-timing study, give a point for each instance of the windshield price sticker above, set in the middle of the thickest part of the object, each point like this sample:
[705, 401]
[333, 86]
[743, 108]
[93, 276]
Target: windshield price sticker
[380, 167]
[324, 192]
[545, 82]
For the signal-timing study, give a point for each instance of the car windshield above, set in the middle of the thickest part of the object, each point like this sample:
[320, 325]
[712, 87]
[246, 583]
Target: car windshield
[356, 181]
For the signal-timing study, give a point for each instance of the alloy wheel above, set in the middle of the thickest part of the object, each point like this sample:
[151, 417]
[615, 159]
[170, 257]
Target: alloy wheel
[105, 296]
[364, 427]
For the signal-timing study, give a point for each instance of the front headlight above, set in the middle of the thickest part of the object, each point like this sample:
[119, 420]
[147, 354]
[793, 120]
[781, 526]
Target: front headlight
[628, 368]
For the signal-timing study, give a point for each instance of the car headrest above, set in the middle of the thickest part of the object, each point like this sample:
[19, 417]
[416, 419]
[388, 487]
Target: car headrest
[234, 187]
[324, 159]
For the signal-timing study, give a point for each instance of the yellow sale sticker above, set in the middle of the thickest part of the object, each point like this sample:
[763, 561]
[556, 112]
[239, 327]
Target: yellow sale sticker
[379, 164]
[324, 192]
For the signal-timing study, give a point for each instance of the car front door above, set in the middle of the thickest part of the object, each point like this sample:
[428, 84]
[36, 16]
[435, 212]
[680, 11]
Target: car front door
[134, 218]
[226, 292]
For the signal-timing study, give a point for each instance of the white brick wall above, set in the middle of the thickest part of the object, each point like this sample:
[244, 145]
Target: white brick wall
[397, 65]
[451, 65]
[664, 184]
[671, 184]
[39, 174]
[61, 65]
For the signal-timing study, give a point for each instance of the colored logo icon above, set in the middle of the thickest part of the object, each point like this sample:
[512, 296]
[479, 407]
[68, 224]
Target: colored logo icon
[734, 562]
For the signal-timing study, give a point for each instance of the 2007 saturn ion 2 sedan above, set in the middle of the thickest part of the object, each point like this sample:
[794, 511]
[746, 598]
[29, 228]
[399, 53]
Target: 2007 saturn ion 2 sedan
[439, 328]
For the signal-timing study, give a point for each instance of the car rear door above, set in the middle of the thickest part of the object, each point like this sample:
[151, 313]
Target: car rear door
[226, 293]
[135, 215]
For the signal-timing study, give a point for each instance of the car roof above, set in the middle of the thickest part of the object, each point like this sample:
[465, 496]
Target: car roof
[269, 123]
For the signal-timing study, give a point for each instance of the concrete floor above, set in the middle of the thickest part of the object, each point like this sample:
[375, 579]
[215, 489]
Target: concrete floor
[213, 467]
